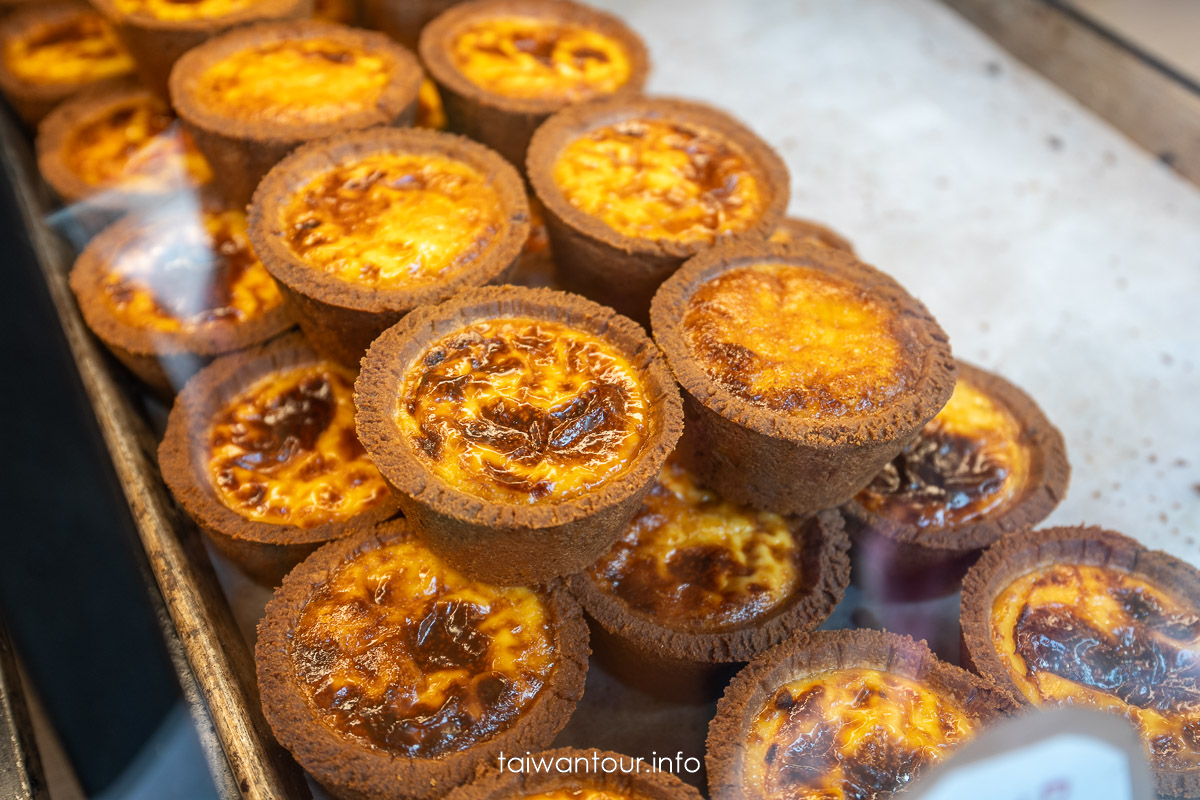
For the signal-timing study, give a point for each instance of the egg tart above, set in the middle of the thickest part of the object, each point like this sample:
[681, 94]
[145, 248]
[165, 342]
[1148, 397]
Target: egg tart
[794, 230]
[261, 452]
[574, 774]
[158, 32]
[250, 96]
[388, 674]
[843, 714]
[804, 371]
[361, 229]
[521, 428]
[117, 146]
[1089, 618]
[50, 52]
[168, 290]
[695, 580]
[988, 464]
[634, 187]
[504, 66]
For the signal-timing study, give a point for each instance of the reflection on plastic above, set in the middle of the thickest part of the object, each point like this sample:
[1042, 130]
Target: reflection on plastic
[1067, 754]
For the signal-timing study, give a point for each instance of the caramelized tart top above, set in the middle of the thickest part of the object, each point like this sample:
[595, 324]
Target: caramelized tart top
[67, 49]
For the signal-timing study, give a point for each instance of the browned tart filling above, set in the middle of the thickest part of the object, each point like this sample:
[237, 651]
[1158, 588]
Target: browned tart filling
[381, 653]
[261, 451]
[119, 139]
[1085, 617]
[181, 280]
[48, 53]
[843, 714]
[541, 405]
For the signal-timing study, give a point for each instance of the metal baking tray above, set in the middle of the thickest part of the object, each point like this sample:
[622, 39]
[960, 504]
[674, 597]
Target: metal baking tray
[1051, 249]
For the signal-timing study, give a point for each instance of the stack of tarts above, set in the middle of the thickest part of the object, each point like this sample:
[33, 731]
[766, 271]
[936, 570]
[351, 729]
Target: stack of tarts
[727, 421]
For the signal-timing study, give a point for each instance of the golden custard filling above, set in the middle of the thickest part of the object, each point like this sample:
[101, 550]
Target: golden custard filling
[284, 451]
[184, 10]
[536, 58]
[431, 113]
[581, 793]
[299, 82]
[75, 49]
[653, 179]
[1083, 635]
[523, 411]
[970, 462]
[394, 220]
[691, 560]
[796, 340]
[402, 652]
[849, 734]
[187, 272]
[135, 145]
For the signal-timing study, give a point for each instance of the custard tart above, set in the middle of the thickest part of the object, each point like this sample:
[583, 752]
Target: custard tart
[117, 146]
[50, 52]
[251, 96]
[1086, 617]
[168, 290]
[804, 371]
[634, 187]
[988, 464]
[390, 675]
[361, 229]
[521, 428]
[695, 580]
[575, 774]
[504, 66]
[839, 715]
[158, 32]
[261, 451]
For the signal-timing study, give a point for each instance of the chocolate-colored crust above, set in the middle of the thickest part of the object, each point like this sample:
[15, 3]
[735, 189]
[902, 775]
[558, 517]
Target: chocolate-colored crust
[493, 784]
[825, 570]
[156, 44]
[341, 319]
[894, 560]
[831, 650]
[54, 132]
[354, 771]
[403, 19]
[607, 266]
[33, 101]
[263, 550]
[501, 543]
[1019, 554]
[242, 152]
[801, 229]
[163, 360]
[791, 465]
[506, 124]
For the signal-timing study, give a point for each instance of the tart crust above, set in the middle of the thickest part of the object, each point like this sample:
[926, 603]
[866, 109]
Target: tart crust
[643, 784]
[164, 360]
[354, 771]
[156, 43]
[824, 574]
[505, 123]
[897, 560]
[55, 132]
[33, 100]
[341, 319]
[611, 267]
[1014, 556]
[265, 551]
[243, 151]
[756, 456]
[493, 541]
[824, 651]
[794, 230]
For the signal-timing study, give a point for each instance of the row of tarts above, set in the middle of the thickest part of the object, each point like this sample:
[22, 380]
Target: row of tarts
[450, 471]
